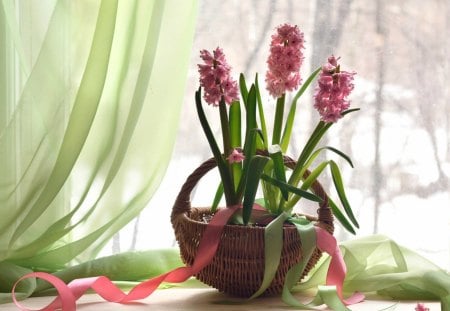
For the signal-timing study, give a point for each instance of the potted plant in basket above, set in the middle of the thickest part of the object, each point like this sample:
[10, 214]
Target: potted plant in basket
[265, 247]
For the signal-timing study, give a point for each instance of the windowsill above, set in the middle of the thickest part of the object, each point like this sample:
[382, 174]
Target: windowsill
[204, 299]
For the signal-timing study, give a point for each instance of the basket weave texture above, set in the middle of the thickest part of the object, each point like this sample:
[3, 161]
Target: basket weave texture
[237, 268]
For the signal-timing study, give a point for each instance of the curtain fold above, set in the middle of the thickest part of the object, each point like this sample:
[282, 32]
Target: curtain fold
[88, 125]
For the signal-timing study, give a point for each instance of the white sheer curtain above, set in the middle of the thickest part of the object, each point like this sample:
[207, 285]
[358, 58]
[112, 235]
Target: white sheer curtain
[91, 106]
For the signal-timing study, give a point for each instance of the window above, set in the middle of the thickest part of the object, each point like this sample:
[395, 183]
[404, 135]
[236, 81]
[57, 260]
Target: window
[399, 141]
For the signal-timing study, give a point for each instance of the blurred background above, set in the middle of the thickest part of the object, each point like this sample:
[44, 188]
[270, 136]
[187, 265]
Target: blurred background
[399, 142]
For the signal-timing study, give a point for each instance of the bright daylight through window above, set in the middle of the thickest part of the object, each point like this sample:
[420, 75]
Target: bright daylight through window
[399, 141]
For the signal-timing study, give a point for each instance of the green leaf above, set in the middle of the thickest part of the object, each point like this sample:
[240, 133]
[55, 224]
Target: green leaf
[243, 88]
[289, 188]
[350, 111]
[317, 152]
[314, 175]
[341, 217]
[235, 139]
[340, 153]
[217, 197]
[278, 167]
[308, 164]
[337, 180]
[271, 192]
[225, 126]
[256, 167]
[306, 84]
[236, 169]
[288, 127]
[262, 119]
[315, 138]
[291, 116]
[235, 124]
[307, 183]
[309, 147]
[250, 113]
[207, 129]
[222, 166]
[249, 152]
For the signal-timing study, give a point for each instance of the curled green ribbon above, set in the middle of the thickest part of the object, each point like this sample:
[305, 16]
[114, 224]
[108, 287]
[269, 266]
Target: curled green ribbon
[273, 236]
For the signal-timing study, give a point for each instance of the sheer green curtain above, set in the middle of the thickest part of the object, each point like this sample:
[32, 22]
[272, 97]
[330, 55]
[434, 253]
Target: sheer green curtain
[90, 101]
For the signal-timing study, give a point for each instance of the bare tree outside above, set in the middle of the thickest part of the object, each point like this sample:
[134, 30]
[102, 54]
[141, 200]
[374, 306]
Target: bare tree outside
[381, 33]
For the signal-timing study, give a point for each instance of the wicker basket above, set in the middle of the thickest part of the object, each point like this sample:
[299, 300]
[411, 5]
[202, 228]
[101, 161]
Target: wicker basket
[238, 265]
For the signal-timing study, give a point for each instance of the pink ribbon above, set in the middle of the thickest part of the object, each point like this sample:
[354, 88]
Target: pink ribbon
[69, 294]
[337, 268]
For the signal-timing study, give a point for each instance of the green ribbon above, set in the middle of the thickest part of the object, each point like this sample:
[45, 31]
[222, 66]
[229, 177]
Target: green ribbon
[273, 244]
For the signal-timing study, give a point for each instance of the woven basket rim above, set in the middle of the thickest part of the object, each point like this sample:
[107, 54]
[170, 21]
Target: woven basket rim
[206, 210]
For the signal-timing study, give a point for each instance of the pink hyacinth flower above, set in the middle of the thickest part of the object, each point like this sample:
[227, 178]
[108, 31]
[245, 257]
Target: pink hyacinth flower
[334, 85]
[215, 78]
[285, 60]
[236, 156]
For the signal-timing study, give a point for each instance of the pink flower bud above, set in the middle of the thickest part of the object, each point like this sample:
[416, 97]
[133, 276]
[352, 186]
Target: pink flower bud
[236, 156]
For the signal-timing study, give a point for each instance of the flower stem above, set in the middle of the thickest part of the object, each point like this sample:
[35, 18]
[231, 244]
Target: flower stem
[227, 144]
[225, 128]
[312, 142]
[278, 121]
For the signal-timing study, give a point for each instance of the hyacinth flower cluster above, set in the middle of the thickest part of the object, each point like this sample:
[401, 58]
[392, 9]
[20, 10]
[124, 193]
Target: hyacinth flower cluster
[285, 60]
[215, 78]
[248, 162]
[334, 86]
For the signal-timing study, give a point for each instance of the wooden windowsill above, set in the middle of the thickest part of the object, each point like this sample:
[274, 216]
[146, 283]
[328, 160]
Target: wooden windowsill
[204, 299]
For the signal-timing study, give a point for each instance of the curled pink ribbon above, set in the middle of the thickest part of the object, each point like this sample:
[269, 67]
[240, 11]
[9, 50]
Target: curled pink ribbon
[69, 294]
[337, 268]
